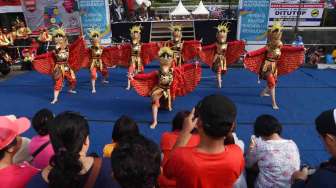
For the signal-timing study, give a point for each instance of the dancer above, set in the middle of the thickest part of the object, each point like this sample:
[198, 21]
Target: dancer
[166, 83]
[98, 59]
[274, 60]
[63, 62]
[183, 51]
[222, 53]
[136, 54]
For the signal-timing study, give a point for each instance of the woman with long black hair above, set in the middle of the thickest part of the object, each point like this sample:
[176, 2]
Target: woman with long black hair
[71, 167]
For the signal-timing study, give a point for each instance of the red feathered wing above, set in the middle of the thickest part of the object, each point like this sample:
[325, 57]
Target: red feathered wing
[149, 52]
[86, 59]
[291, 59]
[144, 83]
[234, 50]
[208, 54]
[186, 78]
[124, 55]
[44, 63]
[111, 56]
[77, 51]
[254, 59]
[191, 49]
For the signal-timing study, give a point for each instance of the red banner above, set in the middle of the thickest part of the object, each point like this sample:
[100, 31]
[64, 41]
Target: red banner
[10, 3]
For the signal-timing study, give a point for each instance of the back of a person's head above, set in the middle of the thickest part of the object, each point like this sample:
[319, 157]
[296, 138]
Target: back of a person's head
[68, 133]
[136, 162]
[124, 126]
[325, 123]
[267, 125]
[217, 114]
[179, 119]
[40, 121]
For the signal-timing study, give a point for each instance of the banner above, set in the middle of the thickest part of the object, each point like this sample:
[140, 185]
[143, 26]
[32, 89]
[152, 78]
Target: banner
[7, 6]
[95, 13]
[51, 14]
[302, 14]
[253, 21]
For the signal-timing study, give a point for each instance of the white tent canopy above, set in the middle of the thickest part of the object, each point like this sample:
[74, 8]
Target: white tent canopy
[200, 10]
[180, 10]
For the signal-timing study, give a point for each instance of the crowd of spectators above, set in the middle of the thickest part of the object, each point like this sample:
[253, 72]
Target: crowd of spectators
[201, 150]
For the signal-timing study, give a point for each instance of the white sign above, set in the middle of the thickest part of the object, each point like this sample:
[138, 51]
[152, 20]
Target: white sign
[306, 14]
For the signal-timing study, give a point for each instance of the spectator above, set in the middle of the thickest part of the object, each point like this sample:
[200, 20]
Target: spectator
[124, 126]
[70, 166]
[168, 141]
[40, 147]
[275, 157]
[13, 175]
[136, 162]
[333, 54]
[325, 176]
[298, 42]
[211, 163]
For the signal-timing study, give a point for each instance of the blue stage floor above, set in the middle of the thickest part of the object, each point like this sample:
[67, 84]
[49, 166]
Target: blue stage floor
[301, 96]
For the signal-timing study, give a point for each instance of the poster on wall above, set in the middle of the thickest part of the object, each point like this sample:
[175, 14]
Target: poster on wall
[52, 13]
[253, 21]
[304, 14]
[95, 14]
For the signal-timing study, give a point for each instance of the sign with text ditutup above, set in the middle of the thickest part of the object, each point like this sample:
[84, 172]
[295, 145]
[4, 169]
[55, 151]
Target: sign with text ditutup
[253, 21]
[96, 14]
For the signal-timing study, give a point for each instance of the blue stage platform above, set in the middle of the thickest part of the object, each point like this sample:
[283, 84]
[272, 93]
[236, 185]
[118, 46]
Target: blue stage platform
[301, 96]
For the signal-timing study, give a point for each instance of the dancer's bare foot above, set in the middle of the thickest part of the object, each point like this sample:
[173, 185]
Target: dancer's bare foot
[105, 81]
[72, 91]
[265, 93]
[94, 91]
[153, 125]
[54, 101]
[275, 107]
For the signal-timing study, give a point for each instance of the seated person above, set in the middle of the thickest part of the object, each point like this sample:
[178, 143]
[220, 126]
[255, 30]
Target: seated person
[273, 155]
[11, 174]
[136, 162]
[40, 147]
[124, 126]
[325, 175]
[71, 167]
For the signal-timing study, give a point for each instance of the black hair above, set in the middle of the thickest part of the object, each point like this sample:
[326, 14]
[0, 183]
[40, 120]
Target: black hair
[325, 123]
[3, 150]
[136, 162]
[68, 132]
[178, 120]
[124, 126]
[40, 121]
[266, 125]
[217, 130]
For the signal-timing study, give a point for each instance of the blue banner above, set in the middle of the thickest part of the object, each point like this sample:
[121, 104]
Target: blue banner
[96, 14]
[253, 21]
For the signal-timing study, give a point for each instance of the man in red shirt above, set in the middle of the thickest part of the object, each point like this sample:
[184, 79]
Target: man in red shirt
[211, 164]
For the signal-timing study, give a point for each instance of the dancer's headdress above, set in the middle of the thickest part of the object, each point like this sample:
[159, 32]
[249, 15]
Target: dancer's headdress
[59, 31]
[223, 27]
[135, 28]
[277, 25]
[165, 50]
[94, 32]
[176, 27]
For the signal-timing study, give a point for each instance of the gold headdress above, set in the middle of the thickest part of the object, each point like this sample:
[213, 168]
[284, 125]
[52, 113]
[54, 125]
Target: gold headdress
[173, 27]
[165, 50]
[277, 25]
[18, 21]
[224, 27]
[94, 32]
[135, 28]
[59, 31]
